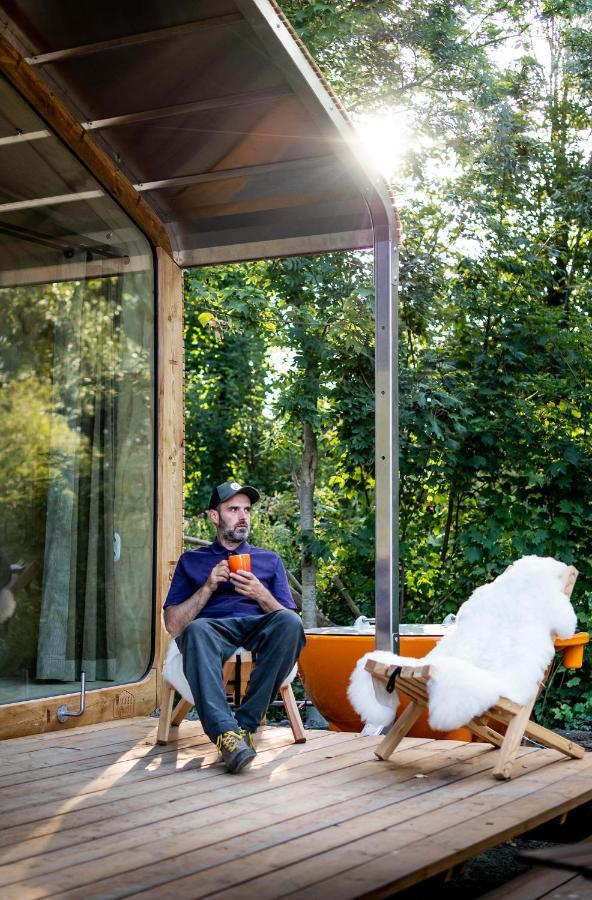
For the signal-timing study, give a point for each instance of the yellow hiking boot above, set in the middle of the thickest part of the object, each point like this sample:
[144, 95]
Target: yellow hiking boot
[234, 750]
[248, 737]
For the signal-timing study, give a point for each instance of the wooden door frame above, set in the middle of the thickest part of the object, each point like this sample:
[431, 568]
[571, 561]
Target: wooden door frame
[142, 697]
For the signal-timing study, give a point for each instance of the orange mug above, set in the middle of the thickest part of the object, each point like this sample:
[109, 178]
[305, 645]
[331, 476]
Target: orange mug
[239, 561]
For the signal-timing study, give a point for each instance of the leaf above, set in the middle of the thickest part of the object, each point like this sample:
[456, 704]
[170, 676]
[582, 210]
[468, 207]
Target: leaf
[572, 455]
[472, 554]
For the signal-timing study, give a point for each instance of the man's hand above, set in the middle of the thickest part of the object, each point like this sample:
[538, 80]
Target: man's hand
[177, 617]
[219, 574]
[249, 586]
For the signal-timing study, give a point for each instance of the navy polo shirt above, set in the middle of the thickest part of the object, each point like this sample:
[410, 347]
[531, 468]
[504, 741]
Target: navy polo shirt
[193, 569]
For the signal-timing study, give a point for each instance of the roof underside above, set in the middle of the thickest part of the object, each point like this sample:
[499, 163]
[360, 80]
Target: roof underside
[211, 111]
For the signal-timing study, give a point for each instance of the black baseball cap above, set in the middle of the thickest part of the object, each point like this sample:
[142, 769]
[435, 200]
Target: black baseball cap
[227, 490]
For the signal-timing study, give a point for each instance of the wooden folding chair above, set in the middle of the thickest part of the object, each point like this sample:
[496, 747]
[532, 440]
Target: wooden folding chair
[236, 674]
[413, 682]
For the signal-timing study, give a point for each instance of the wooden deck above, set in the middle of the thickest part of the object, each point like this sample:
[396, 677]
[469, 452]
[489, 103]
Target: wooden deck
[102, 812]
[545, 882]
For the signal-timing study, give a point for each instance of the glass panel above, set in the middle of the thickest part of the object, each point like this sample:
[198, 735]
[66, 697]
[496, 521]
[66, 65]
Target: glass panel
[76, 402]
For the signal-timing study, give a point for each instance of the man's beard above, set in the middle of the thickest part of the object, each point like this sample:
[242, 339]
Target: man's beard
[238, 534]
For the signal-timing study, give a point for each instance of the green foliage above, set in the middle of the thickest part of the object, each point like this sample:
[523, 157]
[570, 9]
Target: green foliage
[495, 310]
[306, 355]
[226, 365]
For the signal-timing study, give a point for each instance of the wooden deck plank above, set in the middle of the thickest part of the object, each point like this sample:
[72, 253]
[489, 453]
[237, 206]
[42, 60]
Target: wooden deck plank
[145, 760]
[50, 750]
[569, 857]
[169, 798]
[116, 834]
[532, 885]
[516, 889]
[198, 762]
[451, 840]
[51, 754]
[173, 784]
[579, 888]
[229, 863]
[563, 886]
[172, 787]
[114, 752]
[97, 846]
[94, 758]
[243, 827]
[308, 851]
[146, 722]
[194, 763]
[323, 818]
[12, 748]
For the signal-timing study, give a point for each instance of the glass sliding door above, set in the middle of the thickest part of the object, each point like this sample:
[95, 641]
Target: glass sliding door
[76, 422]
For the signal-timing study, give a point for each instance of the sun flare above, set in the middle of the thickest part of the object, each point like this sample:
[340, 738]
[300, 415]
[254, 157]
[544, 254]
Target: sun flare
[384, 138]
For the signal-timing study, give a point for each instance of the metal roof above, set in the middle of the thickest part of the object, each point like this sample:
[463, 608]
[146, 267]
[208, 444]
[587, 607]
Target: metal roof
[232, 146]
[212, 109]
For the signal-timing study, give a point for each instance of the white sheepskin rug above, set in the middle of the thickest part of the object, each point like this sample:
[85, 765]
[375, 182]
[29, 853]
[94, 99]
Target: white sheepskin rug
[500, 646]
[174, 674]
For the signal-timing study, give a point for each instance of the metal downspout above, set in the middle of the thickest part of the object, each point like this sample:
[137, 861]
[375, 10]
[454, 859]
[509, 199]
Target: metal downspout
[386, 424]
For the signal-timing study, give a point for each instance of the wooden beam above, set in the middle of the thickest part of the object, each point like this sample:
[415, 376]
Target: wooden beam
[170, 478]
[181, 109]
[166, 700]
[133, 40]
[272, 168]
[293, 714]
[221, 253]
[188, 205]
[569, 580]
[484, 731]
[22, 138]
[180, 711]
[65, 125]
[57, 200]
[163, 112]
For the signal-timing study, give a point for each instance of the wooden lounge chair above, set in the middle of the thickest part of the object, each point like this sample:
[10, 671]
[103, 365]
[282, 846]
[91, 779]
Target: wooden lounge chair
[236, 674]
[414, 681]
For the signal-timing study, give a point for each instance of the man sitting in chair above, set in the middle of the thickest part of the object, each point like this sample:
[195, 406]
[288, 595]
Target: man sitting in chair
[211, 611]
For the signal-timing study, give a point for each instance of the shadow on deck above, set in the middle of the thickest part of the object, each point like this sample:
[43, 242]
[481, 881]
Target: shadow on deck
[101, 811]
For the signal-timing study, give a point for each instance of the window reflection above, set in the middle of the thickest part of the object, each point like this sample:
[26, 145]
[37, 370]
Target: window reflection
[76, 433]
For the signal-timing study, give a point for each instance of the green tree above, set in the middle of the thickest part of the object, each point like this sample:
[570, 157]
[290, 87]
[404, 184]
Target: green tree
[314, 317]
[227, 366]
[496, 201]
[325, 308]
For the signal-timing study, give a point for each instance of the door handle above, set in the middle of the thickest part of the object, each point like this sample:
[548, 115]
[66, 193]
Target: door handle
[63, 711]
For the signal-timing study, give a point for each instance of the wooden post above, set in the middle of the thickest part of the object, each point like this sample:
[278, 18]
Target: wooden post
[170, 437]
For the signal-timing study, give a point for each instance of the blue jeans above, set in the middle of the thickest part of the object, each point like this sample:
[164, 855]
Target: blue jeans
[275, 639]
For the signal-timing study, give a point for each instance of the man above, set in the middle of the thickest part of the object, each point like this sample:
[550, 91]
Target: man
[211, 611]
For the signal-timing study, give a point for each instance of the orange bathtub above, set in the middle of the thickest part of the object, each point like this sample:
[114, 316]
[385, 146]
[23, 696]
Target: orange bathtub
[329, 658]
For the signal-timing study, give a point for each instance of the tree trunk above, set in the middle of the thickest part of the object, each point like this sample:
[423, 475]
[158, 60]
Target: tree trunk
[306, 497]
